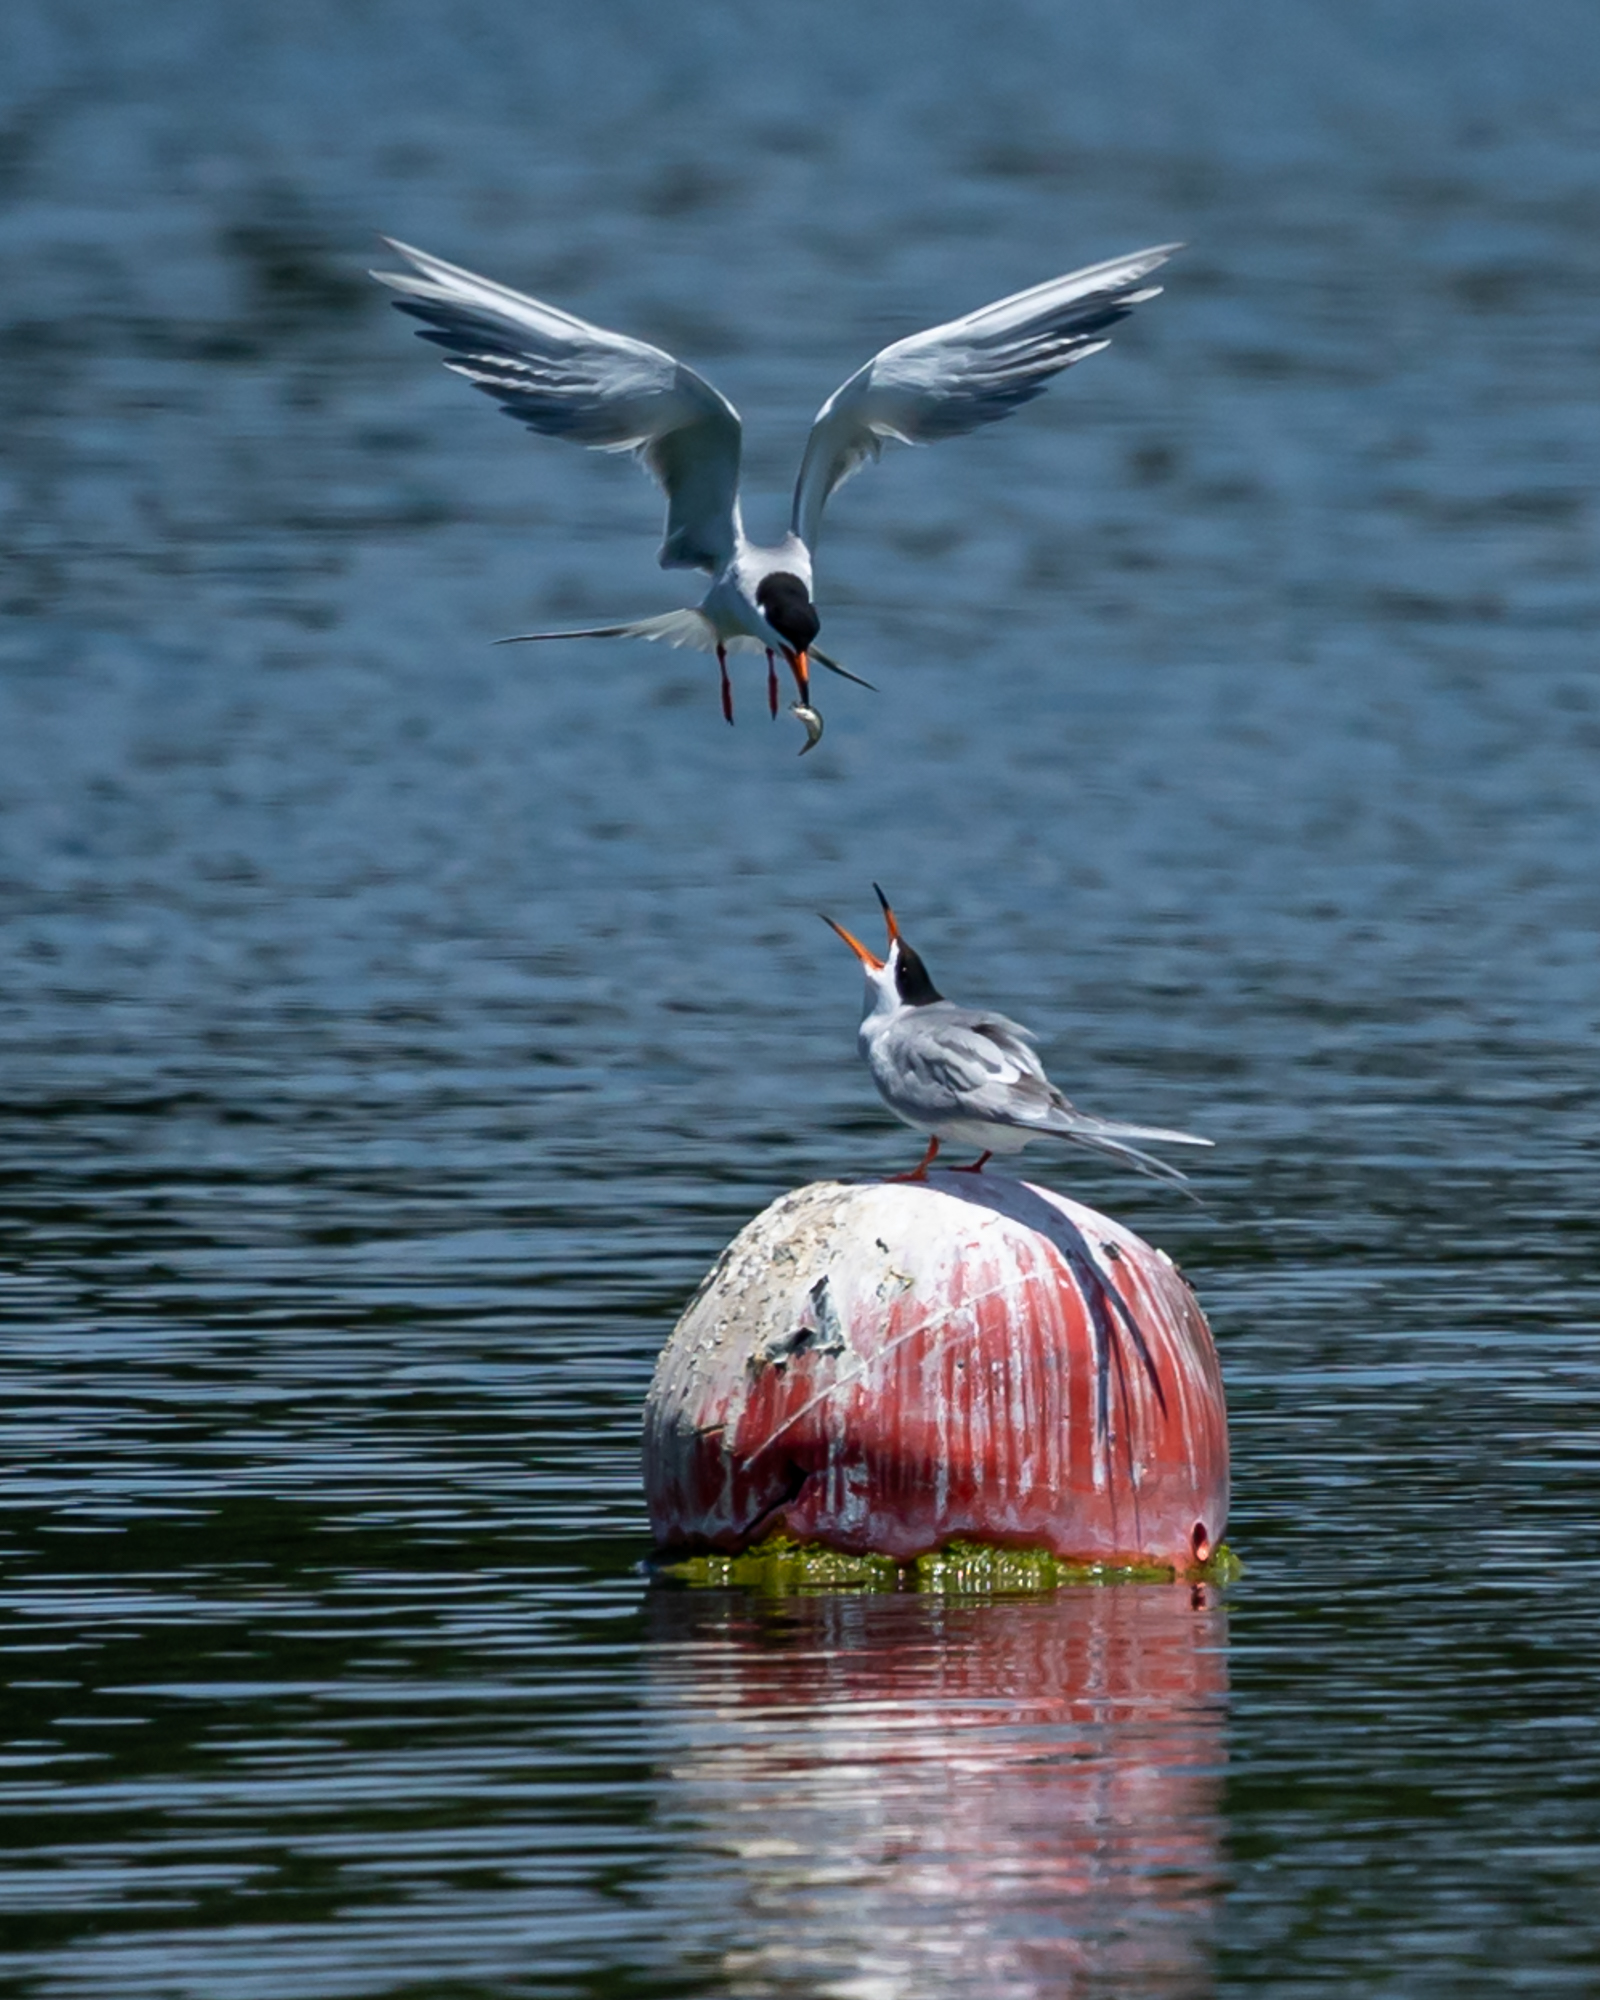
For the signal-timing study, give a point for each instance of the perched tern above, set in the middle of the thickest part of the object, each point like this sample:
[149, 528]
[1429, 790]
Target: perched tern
[560, 375]
[969, 1076]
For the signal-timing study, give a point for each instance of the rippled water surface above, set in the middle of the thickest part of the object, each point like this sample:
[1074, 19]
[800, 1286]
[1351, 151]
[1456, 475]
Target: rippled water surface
[394, 1028]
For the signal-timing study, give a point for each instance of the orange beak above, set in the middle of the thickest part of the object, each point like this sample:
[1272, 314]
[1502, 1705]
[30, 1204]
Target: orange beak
[888, 915]
[800, 667]
[872, 964]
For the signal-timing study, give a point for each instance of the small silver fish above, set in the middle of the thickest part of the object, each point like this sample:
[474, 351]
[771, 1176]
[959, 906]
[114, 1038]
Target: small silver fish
[812, 721]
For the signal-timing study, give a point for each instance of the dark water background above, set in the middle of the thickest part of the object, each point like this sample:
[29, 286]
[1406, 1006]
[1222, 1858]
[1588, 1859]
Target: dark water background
[394, 1028]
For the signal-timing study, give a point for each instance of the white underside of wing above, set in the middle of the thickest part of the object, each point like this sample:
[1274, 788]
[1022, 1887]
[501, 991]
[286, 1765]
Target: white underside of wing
[966, 373]
[564, 377]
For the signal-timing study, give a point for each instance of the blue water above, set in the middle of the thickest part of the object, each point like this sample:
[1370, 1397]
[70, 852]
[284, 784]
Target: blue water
[394, 1028]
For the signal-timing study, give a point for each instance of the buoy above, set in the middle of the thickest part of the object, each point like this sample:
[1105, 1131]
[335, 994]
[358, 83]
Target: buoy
[893, 1366]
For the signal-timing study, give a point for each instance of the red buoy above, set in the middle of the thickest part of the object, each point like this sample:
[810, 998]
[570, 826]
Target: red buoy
[890, 1366]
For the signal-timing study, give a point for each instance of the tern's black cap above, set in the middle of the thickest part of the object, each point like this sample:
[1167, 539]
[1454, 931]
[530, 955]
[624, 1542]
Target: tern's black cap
[787, 606]
[911, 979]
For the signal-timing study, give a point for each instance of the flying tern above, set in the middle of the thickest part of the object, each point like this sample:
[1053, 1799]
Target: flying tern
[969, 1076]
[562, 376]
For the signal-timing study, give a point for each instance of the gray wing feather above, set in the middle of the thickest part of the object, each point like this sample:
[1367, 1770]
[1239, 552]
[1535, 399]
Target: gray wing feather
[969, 372]
[565, 378]
[955, 1059]
[982, 1067]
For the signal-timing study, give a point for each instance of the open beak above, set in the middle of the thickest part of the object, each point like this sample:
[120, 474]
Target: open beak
[888, 915]
[872, 964]
[800, 667]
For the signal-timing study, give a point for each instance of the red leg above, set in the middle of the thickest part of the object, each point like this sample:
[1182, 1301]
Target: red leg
[920, 1171]
[727, 685]
[772, 683]
[977, 1165]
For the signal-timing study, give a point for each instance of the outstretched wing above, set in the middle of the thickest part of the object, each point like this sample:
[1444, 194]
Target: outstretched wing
[970, 372]
[560, 375]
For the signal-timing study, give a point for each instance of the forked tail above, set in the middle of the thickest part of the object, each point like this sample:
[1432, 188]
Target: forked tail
[674, 628]
[679, 628]
[1102, 1135]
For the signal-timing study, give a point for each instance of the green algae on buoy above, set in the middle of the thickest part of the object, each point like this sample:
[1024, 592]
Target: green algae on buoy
[780, 1566]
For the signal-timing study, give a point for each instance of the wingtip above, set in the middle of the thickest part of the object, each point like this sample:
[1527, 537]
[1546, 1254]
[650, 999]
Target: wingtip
[1144, 261]
[400, 281]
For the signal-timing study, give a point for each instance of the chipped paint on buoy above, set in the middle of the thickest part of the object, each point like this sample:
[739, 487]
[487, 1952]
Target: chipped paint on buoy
[889, 1366]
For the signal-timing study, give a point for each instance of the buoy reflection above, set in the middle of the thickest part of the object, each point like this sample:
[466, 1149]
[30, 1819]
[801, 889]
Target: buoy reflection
[913, 1796]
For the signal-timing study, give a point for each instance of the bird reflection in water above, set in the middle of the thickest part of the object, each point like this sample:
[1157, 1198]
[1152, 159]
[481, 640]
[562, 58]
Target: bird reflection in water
[916, 1796]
